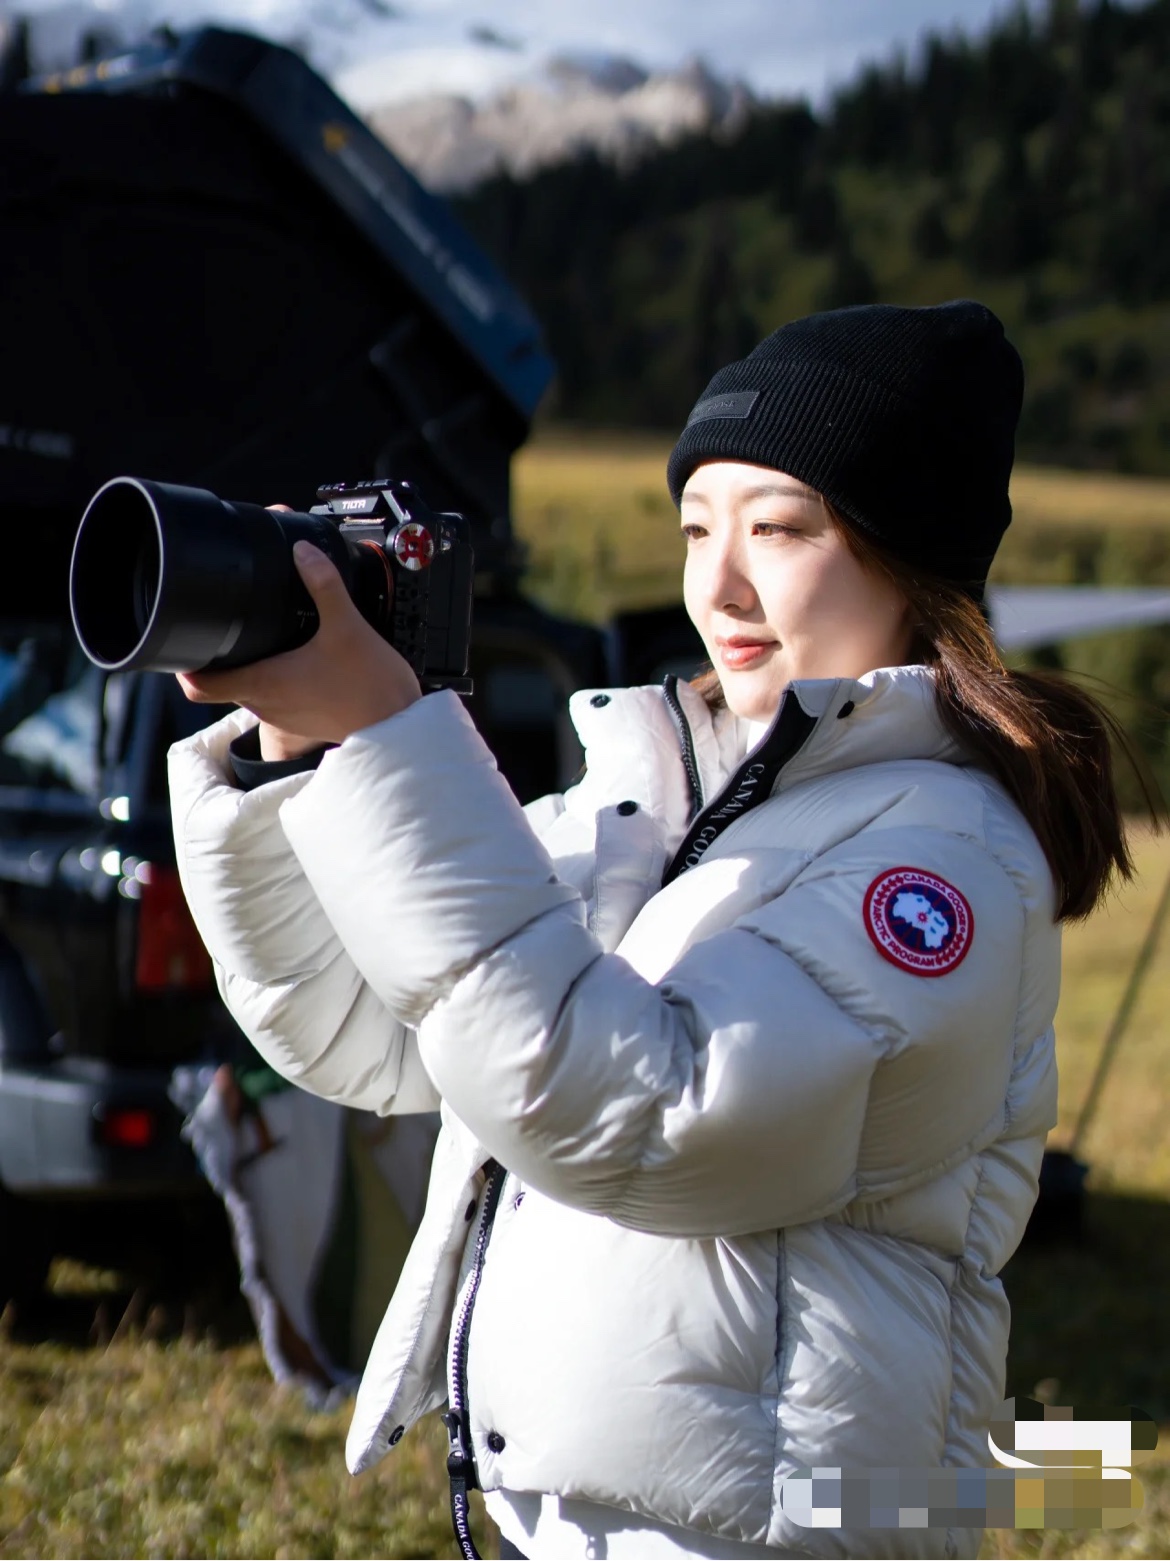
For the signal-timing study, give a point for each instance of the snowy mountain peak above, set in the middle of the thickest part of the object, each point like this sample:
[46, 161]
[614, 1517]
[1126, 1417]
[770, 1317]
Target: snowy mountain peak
[610, 106]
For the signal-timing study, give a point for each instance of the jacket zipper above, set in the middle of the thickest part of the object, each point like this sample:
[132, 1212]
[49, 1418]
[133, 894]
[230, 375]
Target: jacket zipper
[686, 739]
[461, 1470]
[751, 784]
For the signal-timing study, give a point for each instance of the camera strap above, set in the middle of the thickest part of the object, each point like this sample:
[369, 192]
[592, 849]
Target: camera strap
[461, 1471]
[461, 1475]
[750, 785]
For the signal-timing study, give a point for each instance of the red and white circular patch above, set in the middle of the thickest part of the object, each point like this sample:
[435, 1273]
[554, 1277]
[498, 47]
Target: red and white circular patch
[414, 546]
[918, 921]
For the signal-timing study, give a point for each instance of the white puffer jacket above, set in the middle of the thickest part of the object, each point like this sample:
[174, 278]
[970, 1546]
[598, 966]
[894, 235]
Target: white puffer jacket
[778, 1124]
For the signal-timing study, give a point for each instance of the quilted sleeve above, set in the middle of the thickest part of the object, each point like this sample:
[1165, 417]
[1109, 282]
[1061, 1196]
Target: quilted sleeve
[280, 966]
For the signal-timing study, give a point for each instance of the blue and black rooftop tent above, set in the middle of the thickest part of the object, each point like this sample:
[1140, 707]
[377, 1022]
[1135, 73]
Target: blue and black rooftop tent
[214, 273]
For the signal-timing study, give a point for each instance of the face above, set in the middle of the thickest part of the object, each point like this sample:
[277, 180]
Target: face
[774, 590]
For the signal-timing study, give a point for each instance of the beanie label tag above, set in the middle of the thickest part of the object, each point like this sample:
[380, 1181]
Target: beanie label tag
[738, 403]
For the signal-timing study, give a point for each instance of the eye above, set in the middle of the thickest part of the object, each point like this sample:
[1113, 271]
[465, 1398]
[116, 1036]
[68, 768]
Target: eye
[692, 532]
[773, 528]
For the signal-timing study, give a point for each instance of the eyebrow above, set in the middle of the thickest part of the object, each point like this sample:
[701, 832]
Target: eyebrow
[764, 491]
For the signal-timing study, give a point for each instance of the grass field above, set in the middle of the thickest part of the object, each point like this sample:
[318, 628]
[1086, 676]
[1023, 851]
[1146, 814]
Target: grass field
[166, 1440]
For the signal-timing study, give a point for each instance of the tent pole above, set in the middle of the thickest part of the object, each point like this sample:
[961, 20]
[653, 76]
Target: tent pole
[1121, 1018]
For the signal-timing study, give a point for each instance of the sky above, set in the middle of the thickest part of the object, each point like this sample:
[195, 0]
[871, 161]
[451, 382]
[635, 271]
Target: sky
[379, 50]
[780, 47]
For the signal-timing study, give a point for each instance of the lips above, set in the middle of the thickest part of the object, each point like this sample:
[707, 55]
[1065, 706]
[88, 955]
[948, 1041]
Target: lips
[739, 653]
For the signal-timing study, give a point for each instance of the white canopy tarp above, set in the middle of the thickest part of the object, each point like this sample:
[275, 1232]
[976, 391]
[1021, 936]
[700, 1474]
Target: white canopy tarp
[1023, 615]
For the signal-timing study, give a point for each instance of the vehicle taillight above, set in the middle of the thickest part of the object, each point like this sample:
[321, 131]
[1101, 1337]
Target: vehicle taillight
[126, 1127]
[171, 956]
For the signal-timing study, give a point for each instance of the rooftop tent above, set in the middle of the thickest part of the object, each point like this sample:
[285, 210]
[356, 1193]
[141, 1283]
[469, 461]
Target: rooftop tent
[214, 274]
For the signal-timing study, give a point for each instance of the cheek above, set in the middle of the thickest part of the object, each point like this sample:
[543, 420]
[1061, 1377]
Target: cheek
[816, 604]
[874, 605]
[692, 594]
[795, 591]
[839, 585]
[850, 612]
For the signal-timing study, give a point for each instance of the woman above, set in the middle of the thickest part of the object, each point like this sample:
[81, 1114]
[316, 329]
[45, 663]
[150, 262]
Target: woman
[757, 1017]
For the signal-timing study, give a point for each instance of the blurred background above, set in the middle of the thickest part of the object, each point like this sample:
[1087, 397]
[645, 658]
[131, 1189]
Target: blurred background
[210, 268]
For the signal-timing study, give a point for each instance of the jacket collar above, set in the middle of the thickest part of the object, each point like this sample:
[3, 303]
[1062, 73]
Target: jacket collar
[633, 750]
[889, 714]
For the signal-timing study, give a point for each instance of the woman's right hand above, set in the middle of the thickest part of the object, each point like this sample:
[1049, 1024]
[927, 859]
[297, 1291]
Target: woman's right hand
[345, 678]
[277, 745]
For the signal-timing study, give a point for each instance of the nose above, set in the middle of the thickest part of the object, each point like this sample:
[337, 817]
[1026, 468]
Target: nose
[729, 585]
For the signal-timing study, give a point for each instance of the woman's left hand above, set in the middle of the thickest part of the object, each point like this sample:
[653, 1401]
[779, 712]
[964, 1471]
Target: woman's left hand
[345, 678]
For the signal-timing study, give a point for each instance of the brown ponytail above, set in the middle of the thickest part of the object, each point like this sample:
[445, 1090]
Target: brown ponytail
[1048, 743]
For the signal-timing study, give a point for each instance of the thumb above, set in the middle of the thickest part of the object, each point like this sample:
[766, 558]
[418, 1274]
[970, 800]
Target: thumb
[321, 579]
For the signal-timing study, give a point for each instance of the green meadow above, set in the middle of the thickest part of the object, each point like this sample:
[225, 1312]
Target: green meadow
[133, 1428]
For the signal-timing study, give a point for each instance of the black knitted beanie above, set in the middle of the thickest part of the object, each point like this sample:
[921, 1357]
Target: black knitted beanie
[904, 419]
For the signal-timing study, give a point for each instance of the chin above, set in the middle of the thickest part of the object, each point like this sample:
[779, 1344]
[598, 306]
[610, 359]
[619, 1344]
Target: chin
[750, 704]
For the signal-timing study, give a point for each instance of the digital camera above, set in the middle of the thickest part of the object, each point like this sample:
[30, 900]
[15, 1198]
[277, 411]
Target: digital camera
[172, 579]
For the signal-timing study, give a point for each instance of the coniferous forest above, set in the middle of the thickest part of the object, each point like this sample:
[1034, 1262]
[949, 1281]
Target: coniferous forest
[1028, 167]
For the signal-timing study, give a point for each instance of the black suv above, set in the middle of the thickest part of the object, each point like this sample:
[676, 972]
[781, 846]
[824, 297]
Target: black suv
[105, 987]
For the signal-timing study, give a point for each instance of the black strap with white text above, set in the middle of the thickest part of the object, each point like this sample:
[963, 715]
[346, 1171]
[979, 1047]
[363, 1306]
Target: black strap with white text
[751, 784]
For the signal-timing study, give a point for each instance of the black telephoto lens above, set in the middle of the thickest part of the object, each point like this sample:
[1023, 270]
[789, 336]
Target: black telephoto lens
[170, 579]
